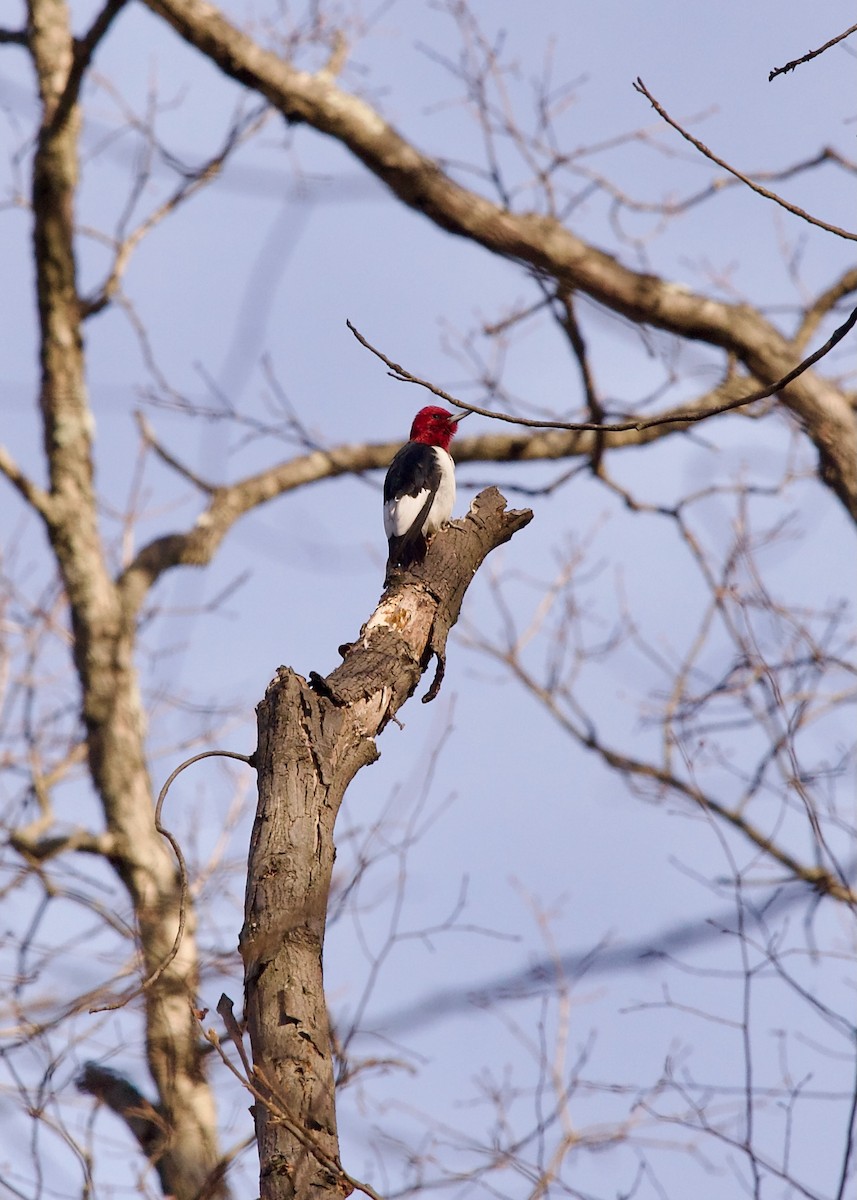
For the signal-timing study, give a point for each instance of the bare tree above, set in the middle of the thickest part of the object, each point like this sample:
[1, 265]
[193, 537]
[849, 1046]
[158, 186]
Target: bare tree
[740, 712]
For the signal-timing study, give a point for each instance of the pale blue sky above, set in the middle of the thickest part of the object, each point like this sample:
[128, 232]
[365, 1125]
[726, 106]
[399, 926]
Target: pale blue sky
[250, 269]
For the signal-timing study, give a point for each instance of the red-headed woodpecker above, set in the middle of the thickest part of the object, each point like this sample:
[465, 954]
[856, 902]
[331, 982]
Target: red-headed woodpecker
[419, 490]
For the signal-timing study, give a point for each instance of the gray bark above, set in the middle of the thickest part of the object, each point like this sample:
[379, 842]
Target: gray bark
[104, 627]
[313, 738]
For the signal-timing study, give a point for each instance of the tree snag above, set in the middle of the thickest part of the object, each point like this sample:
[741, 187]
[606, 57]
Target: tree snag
[313, 738]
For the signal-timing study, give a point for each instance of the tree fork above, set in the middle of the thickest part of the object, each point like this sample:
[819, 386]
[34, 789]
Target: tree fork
[313, 737]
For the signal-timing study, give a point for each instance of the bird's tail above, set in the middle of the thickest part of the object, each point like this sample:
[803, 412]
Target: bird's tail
[406, 551]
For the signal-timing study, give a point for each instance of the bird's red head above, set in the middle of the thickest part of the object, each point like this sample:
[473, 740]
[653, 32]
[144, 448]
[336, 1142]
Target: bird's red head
[435, 427]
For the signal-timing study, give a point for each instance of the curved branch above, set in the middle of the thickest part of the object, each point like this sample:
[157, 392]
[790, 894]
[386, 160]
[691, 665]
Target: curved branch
[128, 1103]
[640, 87]
[165, 833]
[819, 878]
[670, 207]
[196, 546]
[541, 242]
[193, 182]
[844, 286]
[556, 440]
[690, 416]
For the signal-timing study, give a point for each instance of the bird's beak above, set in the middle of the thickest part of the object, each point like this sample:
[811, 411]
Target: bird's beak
[462, 415]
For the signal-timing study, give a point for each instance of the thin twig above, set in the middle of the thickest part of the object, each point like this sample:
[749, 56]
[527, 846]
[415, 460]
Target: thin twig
[193, 181]
[85, 48]
[40, 500]
[398, 372]
[640, 87]
[226, 1012]
[849, 1144]
[823, 304]
[149, 437]
[267, 1095]
[183, 884]
[796, 62]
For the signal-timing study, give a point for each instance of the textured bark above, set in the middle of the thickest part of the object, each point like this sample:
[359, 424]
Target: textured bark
[541, 242]
[313, 738]
[104, 630]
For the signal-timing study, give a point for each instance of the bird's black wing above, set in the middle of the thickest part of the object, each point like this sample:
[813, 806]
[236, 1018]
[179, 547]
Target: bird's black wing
[414, 475]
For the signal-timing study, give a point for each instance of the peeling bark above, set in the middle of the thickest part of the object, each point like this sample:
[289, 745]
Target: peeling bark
[313, 738]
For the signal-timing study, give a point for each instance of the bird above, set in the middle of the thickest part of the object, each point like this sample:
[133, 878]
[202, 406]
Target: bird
[419, 489]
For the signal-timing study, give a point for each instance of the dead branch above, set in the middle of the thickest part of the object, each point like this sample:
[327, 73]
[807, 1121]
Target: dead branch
[123, 248]
[640, 87]
[313, 738]
[686, 417]
[541, 243]
[165, 833]
[810, 54]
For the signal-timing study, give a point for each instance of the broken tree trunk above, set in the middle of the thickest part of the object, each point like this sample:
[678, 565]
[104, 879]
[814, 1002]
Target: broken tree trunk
[313, 738]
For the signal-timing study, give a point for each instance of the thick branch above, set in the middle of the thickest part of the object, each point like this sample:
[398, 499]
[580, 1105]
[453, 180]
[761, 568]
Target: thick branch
[541, 242]
[103, 640]
[196, 547]
[40, 849]
[131, 1106]
[313, 738]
